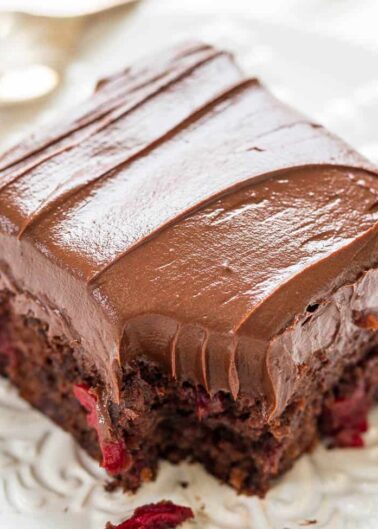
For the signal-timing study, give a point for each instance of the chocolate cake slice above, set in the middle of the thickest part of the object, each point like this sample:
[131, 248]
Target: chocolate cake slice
[189, 270]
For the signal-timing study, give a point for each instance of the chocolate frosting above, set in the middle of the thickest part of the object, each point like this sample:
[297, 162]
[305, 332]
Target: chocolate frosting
[185, 216]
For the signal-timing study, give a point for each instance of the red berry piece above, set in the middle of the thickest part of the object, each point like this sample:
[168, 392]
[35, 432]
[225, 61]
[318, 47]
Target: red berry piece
[345, 418]
[162, 515]
[115, 456]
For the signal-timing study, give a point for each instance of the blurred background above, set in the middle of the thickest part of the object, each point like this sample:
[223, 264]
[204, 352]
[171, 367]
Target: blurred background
[321, 56]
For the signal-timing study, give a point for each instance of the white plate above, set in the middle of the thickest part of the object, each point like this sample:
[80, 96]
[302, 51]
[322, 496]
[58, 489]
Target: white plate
[45, 480]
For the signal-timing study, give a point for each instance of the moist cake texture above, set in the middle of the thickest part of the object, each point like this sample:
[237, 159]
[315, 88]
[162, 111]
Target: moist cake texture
[189, 270]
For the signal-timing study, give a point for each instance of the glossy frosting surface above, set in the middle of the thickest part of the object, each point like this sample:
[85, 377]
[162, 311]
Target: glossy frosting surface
[186, 215]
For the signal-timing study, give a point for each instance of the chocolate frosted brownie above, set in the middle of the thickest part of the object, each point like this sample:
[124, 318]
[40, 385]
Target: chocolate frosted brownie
[189, 270]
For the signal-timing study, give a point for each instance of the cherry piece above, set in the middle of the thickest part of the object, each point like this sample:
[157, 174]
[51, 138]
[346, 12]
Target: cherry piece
[345, 419]
[162, 515]
[115, 456]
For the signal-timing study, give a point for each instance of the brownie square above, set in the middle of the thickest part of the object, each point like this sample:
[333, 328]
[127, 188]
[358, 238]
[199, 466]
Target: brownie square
[189, 270]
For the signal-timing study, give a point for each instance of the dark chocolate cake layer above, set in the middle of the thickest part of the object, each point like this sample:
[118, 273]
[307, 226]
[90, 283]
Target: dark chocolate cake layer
[199, 263]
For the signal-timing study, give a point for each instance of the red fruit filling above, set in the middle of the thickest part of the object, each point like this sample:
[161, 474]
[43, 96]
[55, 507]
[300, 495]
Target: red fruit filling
[345, 419]
[162, 515]
[115, 456]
